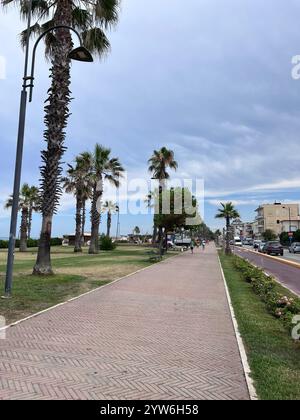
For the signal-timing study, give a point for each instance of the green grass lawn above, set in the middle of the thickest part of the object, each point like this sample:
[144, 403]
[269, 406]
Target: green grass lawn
[273, 356]
[74, 274]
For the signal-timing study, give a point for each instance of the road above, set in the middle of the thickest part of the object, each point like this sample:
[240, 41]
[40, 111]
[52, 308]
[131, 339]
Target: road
[287, 275]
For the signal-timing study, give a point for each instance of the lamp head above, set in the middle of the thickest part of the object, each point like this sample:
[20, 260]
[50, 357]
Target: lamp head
[81, 54]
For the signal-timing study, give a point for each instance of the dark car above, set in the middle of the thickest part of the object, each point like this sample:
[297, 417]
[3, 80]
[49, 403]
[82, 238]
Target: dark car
[273, 248]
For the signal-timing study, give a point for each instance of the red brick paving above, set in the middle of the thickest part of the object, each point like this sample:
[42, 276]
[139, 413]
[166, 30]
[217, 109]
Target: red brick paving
[163, 333]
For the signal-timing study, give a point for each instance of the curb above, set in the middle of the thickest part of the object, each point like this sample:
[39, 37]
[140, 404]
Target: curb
[241, 346]
[84, 294]
[283, 261]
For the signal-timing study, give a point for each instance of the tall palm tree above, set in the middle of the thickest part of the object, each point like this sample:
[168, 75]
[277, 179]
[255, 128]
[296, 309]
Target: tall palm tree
[110, 208]
[84, 163]
[102, 167]
[91, 18]
[227, 212]
[34, 205]
[159, 162]
[25, 206]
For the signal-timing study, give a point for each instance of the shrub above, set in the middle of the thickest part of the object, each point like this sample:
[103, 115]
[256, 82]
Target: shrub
[106, 243]
[56, 241]
[282, 307]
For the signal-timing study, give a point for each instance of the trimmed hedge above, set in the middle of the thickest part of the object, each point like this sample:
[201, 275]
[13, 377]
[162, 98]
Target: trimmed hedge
[31, 243]
[282, 307]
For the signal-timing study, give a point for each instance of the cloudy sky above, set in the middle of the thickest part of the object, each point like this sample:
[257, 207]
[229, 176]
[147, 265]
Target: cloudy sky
[211, 79]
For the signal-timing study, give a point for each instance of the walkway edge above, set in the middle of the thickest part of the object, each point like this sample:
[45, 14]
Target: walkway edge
[83, 294]
[241, 346]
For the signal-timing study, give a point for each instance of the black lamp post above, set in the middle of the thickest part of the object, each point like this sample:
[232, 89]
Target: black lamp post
[79, 54]
[290, 223]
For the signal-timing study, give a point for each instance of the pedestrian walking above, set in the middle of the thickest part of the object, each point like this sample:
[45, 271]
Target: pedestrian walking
[192, 246]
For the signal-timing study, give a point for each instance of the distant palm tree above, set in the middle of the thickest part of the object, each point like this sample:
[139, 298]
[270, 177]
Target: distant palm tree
[91, 18]
[28, 199]
[87, 189]
[34, 205]
[136, 231]
[227, 212]
[159, 162]
[102, 167]
[110, 208]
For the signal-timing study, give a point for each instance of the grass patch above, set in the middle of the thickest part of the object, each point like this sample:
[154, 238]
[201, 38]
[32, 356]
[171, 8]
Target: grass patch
[273, 356]
[74, 274]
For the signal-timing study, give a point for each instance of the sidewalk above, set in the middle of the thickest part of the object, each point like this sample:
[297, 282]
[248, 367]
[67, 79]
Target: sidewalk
[164, 333]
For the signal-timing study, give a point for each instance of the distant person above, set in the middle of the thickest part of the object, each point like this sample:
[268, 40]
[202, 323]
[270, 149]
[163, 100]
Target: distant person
[203, 245]
[192, 246]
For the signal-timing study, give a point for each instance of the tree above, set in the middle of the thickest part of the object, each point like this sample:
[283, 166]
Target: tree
[77, 182]
[136, 231]
[227, 212]
[91, 18]
[269, 235]
[34, 206]
[27, 202]
[159, 162]
[101, 167]
[110, 208]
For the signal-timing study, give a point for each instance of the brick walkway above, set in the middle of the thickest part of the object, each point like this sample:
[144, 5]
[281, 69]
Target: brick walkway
[164, 333]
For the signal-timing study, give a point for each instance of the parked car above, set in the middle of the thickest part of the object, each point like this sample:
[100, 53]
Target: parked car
[261, 246]
[294, 248]
[273, 248]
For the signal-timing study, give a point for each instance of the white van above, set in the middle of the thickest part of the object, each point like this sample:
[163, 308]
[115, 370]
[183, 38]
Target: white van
[238, 241]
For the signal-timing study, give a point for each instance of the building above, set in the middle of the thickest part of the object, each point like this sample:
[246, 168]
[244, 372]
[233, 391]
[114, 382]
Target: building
[277, 217]
[69, 240]
[241, 229]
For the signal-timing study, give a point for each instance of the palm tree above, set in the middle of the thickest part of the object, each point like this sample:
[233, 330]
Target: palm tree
[159, 162]
[102, 167]
[26, 203]
[110, 208]
[136, 231]
[34, 205]
[84, 162]
[91, 18]
[227, 212]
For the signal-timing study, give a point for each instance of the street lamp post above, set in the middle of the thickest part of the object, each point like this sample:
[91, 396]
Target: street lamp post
[118, 222]
[79, 54]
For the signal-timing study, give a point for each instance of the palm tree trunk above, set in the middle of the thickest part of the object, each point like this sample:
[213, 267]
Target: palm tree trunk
[83, 221]
[24, 226]
[29, 222]
[228, 249]
[77, 247]
[95, 219]
[108, 224]
[56, 116]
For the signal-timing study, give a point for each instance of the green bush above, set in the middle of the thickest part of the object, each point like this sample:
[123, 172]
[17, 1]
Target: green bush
[31, 243]
[106, 244]
[56, 242]
[282, 307]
